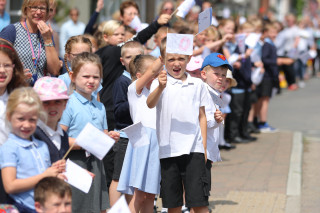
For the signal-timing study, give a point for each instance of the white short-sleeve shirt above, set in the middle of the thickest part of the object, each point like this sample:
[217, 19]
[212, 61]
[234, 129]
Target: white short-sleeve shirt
[139, 110]
[4, 129]
[178, 128]
[214, 129]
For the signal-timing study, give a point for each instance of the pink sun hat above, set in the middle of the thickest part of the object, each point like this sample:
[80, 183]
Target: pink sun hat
[195, 63]
[51, 88]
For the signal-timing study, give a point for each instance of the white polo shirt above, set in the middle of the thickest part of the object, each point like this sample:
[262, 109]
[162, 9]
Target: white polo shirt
[4, 129]
[214, 129]
[178, 128]
[54, 136]
[139, 110]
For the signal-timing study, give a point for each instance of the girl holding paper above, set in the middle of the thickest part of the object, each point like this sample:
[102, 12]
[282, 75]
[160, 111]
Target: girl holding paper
[140, 174]
[25, 160]
[82, 108]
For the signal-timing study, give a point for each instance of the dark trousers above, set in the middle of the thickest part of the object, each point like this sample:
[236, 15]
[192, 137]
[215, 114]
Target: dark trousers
[289, 72]
[237, 120]
[3, 194]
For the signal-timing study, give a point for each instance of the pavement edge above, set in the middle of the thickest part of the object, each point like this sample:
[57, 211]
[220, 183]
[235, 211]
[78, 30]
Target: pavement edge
[293, 204]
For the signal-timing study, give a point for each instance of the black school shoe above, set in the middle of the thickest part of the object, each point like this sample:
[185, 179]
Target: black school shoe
[249, 137]
[238, 140]
[227, 146]
[252, 128]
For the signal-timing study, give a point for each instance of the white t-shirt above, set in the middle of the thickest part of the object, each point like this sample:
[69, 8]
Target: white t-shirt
[55, 136]
[139, 110]
[178, 128]
[4, 129]
[214, 129]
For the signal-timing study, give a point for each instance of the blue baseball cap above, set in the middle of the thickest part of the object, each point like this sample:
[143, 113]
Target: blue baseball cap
[216, 60]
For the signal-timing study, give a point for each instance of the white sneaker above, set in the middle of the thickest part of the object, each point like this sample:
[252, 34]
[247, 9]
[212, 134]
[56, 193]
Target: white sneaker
[164, 210]
[301, 84]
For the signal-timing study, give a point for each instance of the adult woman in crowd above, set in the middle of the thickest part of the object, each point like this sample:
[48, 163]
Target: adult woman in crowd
[128, 10]
[32, 39]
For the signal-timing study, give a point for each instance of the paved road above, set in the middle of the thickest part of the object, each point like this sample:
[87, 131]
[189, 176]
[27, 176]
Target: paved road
[298, 110]
[254, 177]
[270, 175]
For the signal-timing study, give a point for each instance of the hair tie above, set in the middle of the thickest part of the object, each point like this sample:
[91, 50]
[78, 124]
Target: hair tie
[6, 46]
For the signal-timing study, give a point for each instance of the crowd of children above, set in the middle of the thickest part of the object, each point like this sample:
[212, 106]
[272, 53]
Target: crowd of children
[190, 107]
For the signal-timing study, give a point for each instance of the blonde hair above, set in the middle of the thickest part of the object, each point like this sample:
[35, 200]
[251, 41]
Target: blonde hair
[28, 3]
[213, 33]
[75, 40]
[82, 59]
[99, 35]
[110, 27]
[223, 23]
[93, 40]
[131, 44]
[163, 47]
[25, 95]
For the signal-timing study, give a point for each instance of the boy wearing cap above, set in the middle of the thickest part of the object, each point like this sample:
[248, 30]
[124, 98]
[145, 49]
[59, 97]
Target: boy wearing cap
[213, 72]
[53, 94]
[181, 123]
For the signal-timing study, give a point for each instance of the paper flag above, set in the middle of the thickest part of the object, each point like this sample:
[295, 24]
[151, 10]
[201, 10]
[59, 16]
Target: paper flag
[137, 135]
[78, 177]
[136, 24]
[179, 43]
[185, 7]
[205, 19]
[120, 206]
[94, 141]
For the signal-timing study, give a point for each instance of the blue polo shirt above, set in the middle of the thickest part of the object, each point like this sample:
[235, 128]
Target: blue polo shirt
[30, 158]
[80, 111]
[4, 20]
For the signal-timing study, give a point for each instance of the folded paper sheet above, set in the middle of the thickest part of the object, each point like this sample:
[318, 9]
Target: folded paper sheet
[94, 141]
[205, 19]
[78, 177]
[120, 206]
[179, 43]
[185, 7]
[137, 135]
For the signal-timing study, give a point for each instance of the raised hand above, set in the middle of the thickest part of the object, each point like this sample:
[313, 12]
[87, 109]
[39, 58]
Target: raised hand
[46, 31]
[27, 74]
[164, 19]
[100, 5]
[162, 79]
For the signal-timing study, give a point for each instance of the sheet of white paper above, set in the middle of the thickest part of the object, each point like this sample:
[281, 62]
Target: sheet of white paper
[233, 58]
[205, 19]
[137, 135]
[240, 39]
[256, 76]
[120, 206]
[185, 7]
[252, 39]
[78, 177]
[94, 141]
[136, 24]
[226, 12]
[179, 43]
[214, 21]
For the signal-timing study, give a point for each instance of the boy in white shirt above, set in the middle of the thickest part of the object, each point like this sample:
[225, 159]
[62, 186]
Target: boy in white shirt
[180, 101]
[213, 72]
